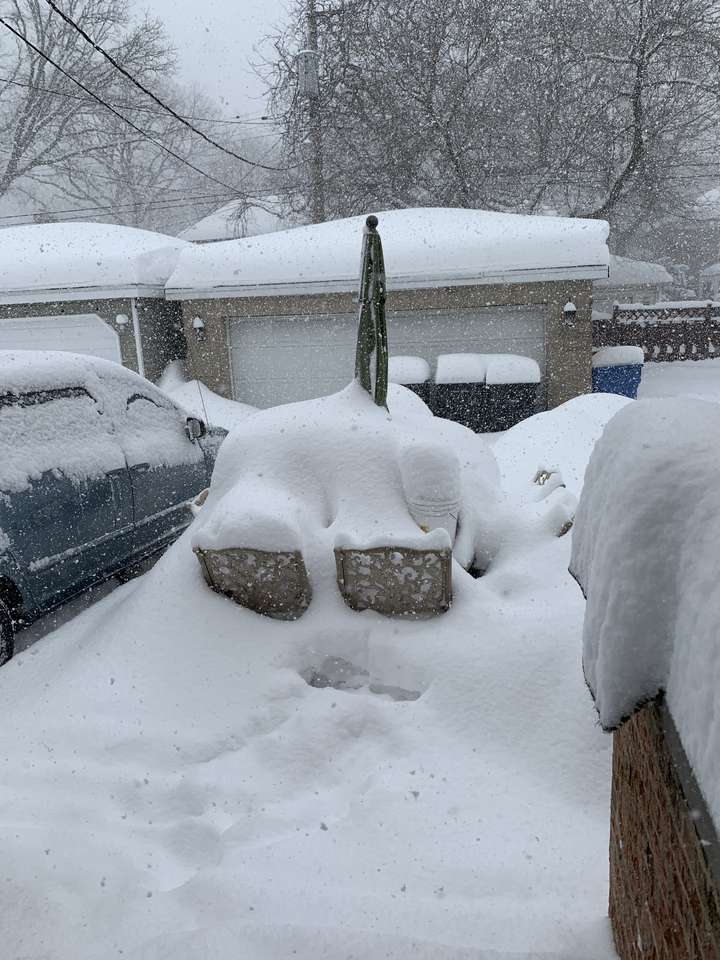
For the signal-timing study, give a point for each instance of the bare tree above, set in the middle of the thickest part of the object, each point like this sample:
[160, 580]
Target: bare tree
[45, 120]
[598, 108]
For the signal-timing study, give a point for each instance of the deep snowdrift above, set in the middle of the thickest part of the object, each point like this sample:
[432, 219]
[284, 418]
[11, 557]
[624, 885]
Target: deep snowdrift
[646, 553]
[173, 789]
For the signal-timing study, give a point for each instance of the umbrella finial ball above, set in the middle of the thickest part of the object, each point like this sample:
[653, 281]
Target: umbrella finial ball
[372, 221]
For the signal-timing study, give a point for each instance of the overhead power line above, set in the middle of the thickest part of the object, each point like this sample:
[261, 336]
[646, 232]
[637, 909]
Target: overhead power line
[119, 67]
[112, 110]
[63, 94]
[120, 207]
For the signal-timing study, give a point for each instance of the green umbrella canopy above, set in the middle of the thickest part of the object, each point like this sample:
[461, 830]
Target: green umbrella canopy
[371, 357]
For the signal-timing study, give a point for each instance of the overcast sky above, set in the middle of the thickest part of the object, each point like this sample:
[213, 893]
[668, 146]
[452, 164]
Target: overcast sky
[215, 40]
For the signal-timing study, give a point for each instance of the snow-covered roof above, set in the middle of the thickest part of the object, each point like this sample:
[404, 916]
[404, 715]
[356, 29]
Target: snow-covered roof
[424, 247]
[235, 220]
[83, 261]
[625, 272]
[711, 271]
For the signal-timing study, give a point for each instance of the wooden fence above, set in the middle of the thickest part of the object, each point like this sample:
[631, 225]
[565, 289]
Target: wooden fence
[672, 331]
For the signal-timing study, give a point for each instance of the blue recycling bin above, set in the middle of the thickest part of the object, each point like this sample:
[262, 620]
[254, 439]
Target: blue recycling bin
[623, 379]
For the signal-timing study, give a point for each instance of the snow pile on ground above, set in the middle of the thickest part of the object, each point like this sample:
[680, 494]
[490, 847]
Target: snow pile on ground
[70, 258]
[408, 369]
[424, 247]
[689, 378]
[645, 553]
[173, 787]
[559, 440]
[329, 473]
[201, 402]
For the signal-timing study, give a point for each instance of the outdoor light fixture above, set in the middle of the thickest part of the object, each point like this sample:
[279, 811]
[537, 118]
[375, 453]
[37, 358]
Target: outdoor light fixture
[199, 328]
[569, 314]
[122, 320]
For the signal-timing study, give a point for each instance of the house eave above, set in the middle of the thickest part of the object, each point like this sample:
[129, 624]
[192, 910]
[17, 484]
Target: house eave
[349, 284]
[68, 294]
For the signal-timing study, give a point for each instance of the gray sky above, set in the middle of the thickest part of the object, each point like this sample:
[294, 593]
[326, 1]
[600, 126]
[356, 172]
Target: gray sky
[215, 41]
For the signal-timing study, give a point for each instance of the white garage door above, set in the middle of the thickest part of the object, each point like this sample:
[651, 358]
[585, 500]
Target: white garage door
[77, 333]
[281, 359]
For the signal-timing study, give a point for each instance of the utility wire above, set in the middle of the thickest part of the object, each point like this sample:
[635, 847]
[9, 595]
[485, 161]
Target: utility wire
[120, 207]
[249, 122]
[149, 93]
[112, 110]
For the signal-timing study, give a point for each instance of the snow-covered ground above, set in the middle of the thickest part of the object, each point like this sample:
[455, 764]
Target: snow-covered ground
[173, 789]
[690, 378]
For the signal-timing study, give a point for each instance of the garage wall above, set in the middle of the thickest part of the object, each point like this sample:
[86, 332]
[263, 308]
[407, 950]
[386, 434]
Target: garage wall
[568, 349]
[286, 358]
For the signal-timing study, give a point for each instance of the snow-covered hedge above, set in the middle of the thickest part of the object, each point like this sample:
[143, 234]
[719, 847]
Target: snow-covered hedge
[645, 551]
[408, 370]
[490, 368]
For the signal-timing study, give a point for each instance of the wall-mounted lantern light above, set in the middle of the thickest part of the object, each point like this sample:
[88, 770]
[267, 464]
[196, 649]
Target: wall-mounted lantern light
[122, 320]
[569, 314]
[199, 328]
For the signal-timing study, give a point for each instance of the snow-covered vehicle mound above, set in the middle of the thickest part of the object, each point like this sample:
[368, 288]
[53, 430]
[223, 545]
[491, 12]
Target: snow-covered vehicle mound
[310, 480]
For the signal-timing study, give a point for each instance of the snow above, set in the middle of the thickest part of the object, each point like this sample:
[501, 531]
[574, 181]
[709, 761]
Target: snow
[691, 378]
[235, 219]
[645, 553]
[618, 356]
[408, 370]
[201, 402]
[173, 787]
[510, 368]
[78, 435]
[424, 247]
[331, 472]
[461, 368]
[559, 439]
[626, 272]
[80, 261]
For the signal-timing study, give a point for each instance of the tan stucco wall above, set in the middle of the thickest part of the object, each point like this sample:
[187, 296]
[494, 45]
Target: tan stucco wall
[160, 326]
[568, 349]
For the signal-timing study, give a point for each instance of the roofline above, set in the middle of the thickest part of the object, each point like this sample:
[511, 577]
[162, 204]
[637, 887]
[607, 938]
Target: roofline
[407, 282]
[67, 294]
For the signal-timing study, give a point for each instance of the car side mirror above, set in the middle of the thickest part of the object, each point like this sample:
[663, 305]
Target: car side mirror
[195, 428]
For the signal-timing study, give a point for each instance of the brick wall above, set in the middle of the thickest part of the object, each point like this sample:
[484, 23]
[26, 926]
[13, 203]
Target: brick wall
[664, 856]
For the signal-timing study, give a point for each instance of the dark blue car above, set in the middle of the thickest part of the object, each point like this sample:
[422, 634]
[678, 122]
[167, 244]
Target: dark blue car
[97, 470]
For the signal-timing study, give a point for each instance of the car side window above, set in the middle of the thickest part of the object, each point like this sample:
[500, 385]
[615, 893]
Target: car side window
[62, 430]
[154, 432]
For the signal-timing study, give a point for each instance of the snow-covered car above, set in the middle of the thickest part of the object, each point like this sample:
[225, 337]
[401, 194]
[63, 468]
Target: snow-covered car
[97, 471]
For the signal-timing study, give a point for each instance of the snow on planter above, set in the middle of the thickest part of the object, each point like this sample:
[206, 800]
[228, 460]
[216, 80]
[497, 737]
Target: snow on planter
[323, 477]
[408, 370]
[645, 551]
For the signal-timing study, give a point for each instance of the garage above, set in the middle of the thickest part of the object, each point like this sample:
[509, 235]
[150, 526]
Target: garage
[286, 358]
[77, 333]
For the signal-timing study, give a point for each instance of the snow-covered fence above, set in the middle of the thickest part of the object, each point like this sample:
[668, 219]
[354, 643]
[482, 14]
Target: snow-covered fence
[681, 330]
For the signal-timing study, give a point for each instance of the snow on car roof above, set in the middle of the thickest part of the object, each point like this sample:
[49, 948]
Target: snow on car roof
[424, 247]
[22, 370]
[82, 261]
